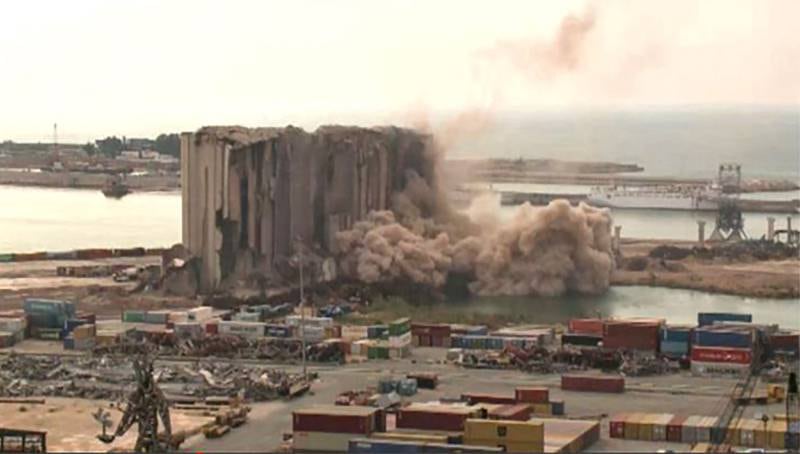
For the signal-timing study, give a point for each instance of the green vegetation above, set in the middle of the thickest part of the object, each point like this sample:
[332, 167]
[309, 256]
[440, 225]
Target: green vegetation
[110, 146]
[168, 144]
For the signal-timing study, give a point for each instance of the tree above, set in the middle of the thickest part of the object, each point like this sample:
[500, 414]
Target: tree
[90, 149]
[110, 146]
[169, 144]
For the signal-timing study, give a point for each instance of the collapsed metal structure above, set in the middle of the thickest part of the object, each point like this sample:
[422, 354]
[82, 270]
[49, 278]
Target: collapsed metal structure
[250, 194]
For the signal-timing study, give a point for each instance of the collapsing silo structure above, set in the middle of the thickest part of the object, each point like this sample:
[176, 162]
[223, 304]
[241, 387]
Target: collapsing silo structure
[248, 194]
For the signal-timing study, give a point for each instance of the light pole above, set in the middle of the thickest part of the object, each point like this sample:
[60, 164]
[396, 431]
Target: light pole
[299, 247]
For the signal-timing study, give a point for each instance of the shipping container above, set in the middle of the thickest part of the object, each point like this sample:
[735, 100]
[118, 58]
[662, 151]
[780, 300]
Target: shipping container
[722, 355]
[709, 318]
[243, 329]
[12, 325]
[640, 335]
[400, 326]
[785, 342]
[131, 316]
[310, 441]
[336, 419]
[677, 333]
[616, 425]
[483, 430]
[557, 408]
[660, 426]
[645, 432]
[777, 434]
[372, 446]
[675, 428]
[425, 380]
[354, 332]
[487, 398]
[532, 394]
[581, 340]
[516, 412]
[593, 383]
[401, 340]
[689, 429]
[631, 426]
[84, 332]
[714, 336]
[377, 331]
[434, 417]
[200, 314]
[156, 317]
[705, 368]
[674, 349]
[433, 330]
[586, 326]
[541, 409]
[7, 339]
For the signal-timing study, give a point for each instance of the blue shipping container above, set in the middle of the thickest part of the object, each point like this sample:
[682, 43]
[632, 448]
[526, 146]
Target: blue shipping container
[557, 407]
[69, 343]
[718, 338]
[70, 325]
[708, 318]
[674, 349]
[676, 334]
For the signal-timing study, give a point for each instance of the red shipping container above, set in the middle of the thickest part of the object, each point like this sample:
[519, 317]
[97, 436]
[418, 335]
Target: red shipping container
[517, 412]
[425, 340]
[616, 426]
[212, 328]
[675, 429]
[586, 326]
[722, 355]
[431, 419]
[428, 329]
[532, 395]
[594, 383]
[631, 335]
[336, 419]
[484, 398]
[440, 341]
[785, 341]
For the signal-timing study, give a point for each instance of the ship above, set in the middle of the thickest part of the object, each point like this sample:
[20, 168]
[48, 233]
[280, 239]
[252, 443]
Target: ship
[115, 188]
[656, 197]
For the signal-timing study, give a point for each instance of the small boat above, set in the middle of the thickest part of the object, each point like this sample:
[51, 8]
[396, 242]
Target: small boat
[115, 188]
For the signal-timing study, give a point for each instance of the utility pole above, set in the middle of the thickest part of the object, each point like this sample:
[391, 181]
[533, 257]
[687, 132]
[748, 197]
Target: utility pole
[299, 246]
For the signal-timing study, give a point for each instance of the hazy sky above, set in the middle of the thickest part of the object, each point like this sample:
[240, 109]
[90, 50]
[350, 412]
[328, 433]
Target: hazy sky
[142, 67]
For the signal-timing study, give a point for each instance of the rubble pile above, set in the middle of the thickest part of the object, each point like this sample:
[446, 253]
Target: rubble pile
[106, 377]
[741, 250]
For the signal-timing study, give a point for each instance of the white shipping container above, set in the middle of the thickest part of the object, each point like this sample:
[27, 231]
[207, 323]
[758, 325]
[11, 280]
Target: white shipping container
[401, 340]
[294, 320]
[178, 317]
[321, 441]
[199, 314]
[243, 329]
[359, 348]
[704, 368]
[189, 329]
[12, 325]
[354, 332]
[399, 352]
[310, 333]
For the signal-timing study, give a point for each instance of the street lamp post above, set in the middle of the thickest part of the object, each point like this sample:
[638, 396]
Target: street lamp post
[302, 309]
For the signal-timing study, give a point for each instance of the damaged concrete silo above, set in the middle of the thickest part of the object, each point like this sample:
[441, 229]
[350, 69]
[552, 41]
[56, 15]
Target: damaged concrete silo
[249, 193]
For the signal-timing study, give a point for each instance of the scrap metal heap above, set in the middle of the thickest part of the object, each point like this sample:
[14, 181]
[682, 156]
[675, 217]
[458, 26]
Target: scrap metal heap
[107, 377]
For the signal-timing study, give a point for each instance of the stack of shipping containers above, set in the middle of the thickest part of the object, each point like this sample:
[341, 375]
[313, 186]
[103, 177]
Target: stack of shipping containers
[330, 427]
[512, 436]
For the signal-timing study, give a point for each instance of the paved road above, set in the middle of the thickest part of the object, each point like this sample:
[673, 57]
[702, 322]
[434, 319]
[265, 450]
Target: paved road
[679, 394]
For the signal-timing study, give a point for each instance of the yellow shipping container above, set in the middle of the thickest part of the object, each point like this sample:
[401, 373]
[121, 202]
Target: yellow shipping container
[646, 427]
[411, 436]
[777, 434]
[541, 409]
[632, 425]
[760, 439]
[508, 446]
[511, 431]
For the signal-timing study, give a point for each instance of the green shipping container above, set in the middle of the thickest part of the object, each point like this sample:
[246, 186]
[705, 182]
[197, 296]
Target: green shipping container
[133, 316]
[399, 326]
[6, 258]
[377, 352]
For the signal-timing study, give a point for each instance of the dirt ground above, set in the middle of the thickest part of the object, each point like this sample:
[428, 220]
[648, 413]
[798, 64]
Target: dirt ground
[767, 279]
[71, 427]
[101, 295]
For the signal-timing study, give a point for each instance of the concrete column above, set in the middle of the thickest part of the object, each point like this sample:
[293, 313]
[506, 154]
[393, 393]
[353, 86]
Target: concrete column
[617, 235]
[789, 224]
[701, 232]
[770, 228]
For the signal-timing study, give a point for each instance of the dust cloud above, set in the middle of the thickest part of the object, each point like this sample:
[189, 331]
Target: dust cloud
[541, 251]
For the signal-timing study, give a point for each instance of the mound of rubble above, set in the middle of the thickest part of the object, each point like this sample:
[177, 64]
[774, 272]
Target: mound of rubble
[107, 377]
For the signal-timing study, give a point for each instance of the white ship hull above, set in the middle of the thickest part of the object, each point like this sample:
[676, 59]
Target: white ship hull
[651, 200]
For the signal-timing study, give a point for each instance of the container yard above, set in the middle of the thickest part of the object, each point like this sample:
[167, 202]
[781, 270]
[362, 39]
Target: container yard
[424, 387]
